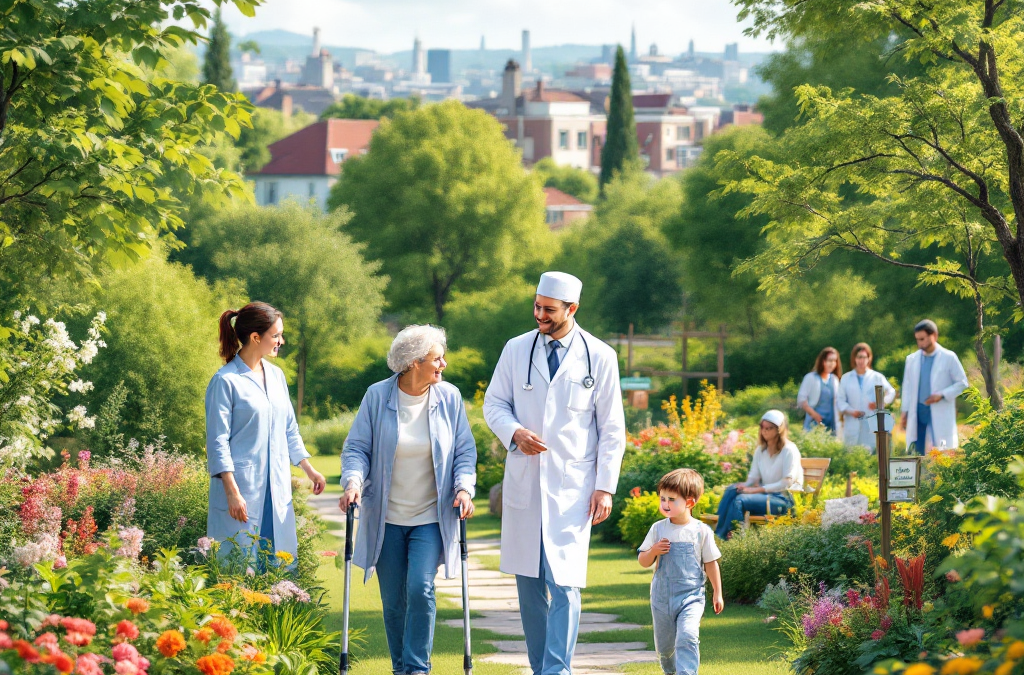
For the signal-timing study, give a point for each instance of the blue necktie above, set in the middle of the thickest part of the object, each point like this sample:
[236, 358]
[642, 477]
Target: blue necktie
[553, 358]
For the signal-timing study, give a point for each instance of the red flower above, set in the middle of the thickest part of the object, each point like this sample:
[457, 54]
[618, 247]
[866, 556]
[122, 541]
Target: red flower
[223, 627]
[59, 660]
[877, 635]
[635, 492]
[26, 651]
[127, 630]
[5, 641]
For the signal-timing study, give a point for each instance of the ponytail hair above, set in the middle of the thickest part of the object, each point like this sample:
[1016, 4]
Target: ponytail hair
[237, 325]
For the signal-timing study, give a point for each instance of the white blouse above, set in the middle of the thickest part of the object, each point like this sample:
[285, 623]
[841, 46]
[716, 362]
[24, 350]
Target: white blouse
[412, 499]
[779, 473]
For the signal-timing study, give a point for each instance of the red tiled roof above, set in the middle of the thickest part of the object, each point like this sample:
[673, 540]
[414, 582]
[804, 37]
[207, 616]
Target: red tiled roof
[552, 96]
[307, 152]
[555, 197]
[651, 100]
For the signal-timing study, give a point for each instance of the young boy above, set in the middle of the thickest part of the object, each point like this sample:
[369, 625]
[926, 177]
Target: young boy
[685, 552]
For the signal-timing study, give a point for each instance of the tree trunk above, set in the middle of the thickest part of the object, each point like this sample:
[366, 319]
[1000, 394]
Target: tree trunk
[300, 378]
[984, 362]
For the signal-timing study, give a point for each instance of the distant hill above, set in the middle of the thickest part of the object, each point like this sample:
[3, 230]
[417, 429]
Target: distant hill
[280, 45]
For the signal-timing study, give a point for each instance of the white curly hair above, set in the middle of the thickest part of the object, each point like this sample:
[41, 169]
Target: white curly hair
[412, 344]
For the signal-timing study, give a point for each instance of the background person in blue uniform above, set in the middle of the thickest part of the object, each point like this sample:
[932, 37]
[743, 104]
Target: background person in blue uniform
[252, 435]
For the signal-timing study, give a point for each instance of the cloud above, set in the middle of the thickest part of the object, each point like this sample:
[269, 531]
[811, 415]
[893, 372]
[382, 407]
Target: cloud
[390, 25]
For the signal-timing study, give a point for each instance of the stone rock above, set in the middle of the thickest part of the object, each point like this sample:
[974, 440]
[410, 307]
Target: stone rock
[494, 500]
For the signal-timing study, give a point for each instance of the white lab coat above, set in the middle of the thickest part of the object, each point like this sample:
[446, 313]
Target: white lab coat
[810, 393]
[855, 395]
[949, 379]
[548, 495]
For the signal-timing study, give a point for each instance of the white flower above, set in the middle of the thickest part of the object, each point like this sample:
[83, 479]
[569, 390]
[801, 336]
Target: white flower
[78, 416]
[88, 351]
[17, 315]
[101, 317]
[24, 401]
[131, 542]
[80, 387]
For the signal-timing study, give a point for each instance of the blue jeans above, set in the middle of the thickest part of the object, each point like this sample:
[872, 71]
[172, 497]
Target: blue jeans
[735, 504]
[924, 420]
[406, 569]
[677, 605]
[550, 626]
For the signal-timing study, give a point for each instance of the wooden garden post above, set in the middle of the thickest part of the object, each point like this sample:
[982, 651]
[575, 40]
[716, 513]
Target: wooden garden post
[881, 443]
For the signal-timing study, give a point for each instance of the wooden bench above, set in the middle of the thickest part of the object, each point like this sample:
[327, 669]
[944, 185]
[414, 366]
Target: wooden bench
[814, 469]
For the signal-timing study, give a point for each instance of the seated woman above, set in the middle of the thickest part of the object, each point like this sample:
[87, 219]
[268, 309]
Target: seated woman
[774, 471]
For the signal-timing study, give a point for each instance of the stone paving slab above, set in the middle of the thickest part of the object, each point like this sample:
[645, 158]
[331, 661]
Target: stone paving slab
[513, 625]
[582, 648]
[484, 592]
[609, 659]
[507, 605]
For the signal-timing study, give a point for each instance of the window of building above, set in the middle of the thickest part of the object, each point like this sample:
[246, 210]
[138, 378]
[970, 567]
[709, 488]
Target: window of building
[312, 189]
[668, 132]
[670, 154]
[682, 133]
[682, 160]
[554, 217]
[272, 192]
[563, 140]
[338, 155]
[581, 140]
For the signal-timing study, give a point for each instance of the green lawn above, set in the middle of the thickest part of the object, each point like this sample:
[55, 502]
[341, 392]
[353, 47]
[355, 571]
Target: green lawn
[737, 641]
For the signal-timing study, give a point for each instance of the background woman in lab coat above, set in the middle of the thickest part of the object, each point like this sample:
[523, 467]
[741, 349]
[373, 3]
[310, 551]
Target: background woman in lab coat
[252, 435]
[819, 392]
[857, 397]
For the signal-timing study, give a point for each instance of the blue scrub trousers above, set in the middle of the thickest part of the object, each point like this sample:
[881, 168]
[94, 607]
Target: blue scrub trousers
[735, 504]
[267, 522]
[550, 626]
[406, 569]
[924, 420]
[677, 605]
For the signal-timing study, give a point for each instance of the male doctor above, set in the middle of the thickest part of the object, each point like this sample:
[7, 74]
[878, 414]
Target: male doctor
[555, 403]
[932, 379]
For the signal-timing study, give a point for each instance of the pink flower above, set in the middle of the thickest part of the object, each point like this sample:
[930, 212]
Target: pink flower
[125, 652]
[636, 443]
[204, 544]
[126, 668]
[5, 641]
[60, 562]
[131, 542]
[48, 640]
[89, 664]
[83, 458]
[663, 442]
[877, 635]
[970, 637]
[952, 576]
[127, 630]
[329, 554]
[52, 620]
[886, 622]
[726, 467]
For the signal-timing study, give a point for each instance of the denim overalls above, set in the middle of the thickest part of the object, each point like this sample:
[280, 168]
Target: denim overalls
[677, 604]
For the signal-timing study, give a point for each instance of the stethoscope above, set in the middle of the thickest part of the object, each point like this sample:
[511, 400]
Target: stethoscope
[588, 381]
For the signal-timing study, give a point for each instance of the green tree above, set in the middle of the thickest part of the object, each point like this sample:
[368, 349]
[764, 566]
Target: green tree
[579, 183]
[620, 146]
[299, 260]
[161, 336]
[98, 151]
[939, 164]
[217, 61]
[443, 201]
[352, 107]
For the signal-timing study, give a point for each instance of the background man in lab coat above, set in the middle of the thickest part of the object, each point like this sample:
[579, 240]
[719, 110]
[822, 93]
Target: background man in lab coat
[932, 379]
[555, 403]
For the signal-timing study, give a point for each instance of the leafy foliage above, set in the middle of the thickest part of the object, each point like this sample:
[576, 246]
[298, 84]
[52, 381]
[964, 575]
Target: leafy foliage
[442, 200]
[620, 152]
[217, 60]
[98, 150]
[352, 107]
[579, 183]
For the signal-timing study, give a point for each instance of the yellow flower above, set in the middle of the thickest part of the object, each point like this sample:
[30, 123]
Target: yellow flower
[963, 665]
[1006, 668]
[987, 611]
[1015, 650]
[224, 586]
[919, 669]
[792, 570]
[928, 607]
[255, 598]
[952, 540]
[285, 557]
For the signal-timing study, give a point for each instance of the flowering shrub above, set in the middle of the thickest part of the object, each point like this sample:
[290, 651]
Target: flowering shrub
[695, 417]
[104, 612]
[643, 509]
[38, 361]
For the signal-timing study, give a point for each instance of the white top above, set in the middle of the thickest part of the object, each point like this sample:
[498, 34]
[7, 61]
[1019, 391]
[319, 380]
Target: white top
[695, 531]
[412, 499]
[779, 473]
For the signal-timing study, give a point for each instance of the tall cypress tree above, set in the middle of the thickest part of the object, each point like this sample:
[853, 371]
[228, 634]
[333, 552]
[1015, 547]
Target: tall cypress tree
[217, 63]
[620, 145]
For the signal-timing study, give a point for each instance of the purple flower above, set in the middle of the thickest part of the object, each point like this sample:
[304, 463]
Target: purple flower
[131, 542]
[823, 611]
[204, 544]
[877, 635]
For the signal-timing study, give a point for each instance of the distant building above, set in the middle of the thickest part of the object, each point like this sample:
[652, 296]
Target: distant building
[419, 62]
[740, 116]
[668, 136]
[527, 55]
[319, 70]
[289, 99]
[732, 52]
[632, 44]
[439, 65]
[306, 164]
[561, 208]
[250, 73]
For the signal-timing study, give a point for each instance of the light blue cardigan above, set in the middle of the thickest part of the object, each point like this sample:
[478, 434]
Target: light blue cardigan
[369, 455]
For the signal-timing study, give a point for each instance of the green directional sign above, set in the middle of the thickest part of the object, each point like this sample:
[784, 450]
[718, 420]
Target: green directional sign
[635, 383]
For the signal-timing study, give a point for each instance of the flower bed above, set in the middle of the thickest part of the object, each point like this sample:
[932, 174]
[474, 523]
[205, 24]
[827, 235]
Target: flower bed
[105, 611]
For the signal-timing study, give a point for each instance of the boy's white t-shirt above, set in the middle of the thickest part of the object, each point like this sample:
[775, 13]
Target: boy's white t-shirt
[695, 531]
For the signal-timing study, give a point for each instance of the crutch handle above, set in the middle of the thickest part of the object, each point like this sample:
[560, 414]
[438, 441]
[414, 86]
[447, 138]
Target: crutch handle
[350, 522]
[463, 546]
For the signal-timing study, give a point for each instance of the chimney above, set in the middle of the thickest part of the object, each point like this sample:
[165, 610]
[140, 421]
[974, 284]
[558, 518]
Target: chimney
[316, 42]
[527, 57]
[511, 86]
[286, 105]
[540, 90]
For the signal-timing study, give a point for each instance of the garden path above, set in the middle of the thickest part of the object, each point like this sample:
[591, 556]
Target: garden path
[493, 599]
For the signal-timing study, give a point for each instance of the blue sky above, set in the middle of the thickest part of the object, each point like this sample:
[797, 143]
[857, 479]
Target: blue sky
[390, 25]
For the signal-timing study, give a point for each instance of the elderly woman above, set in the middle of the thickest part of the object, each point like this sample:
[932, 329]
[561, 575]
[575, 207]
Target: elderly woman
[409, 461]
[252, 436]
[857, 397]
[774, 471]
[819, 392]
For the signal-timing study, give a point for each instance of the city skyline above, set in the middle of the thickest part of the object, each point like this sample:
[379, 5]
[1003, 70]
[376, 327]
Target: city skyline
[460, 24]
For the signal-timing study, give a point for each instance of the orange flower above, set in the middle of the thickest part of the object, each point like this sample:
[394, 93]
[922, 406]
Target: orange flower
[215, 664]
[223, 627]
[1005, 668]
[136, 605]
[1015, 650]
[919, 669]
[26, 651]
[963, 665]
[204, 635]
[59, 660]
[987, 611]
[250, 653]
[170, 643]
[224, 646]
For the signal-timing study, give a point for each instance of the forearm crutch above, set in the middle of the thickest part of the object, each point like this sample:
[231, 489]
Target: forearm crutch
[350, 522]
[467, 655]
